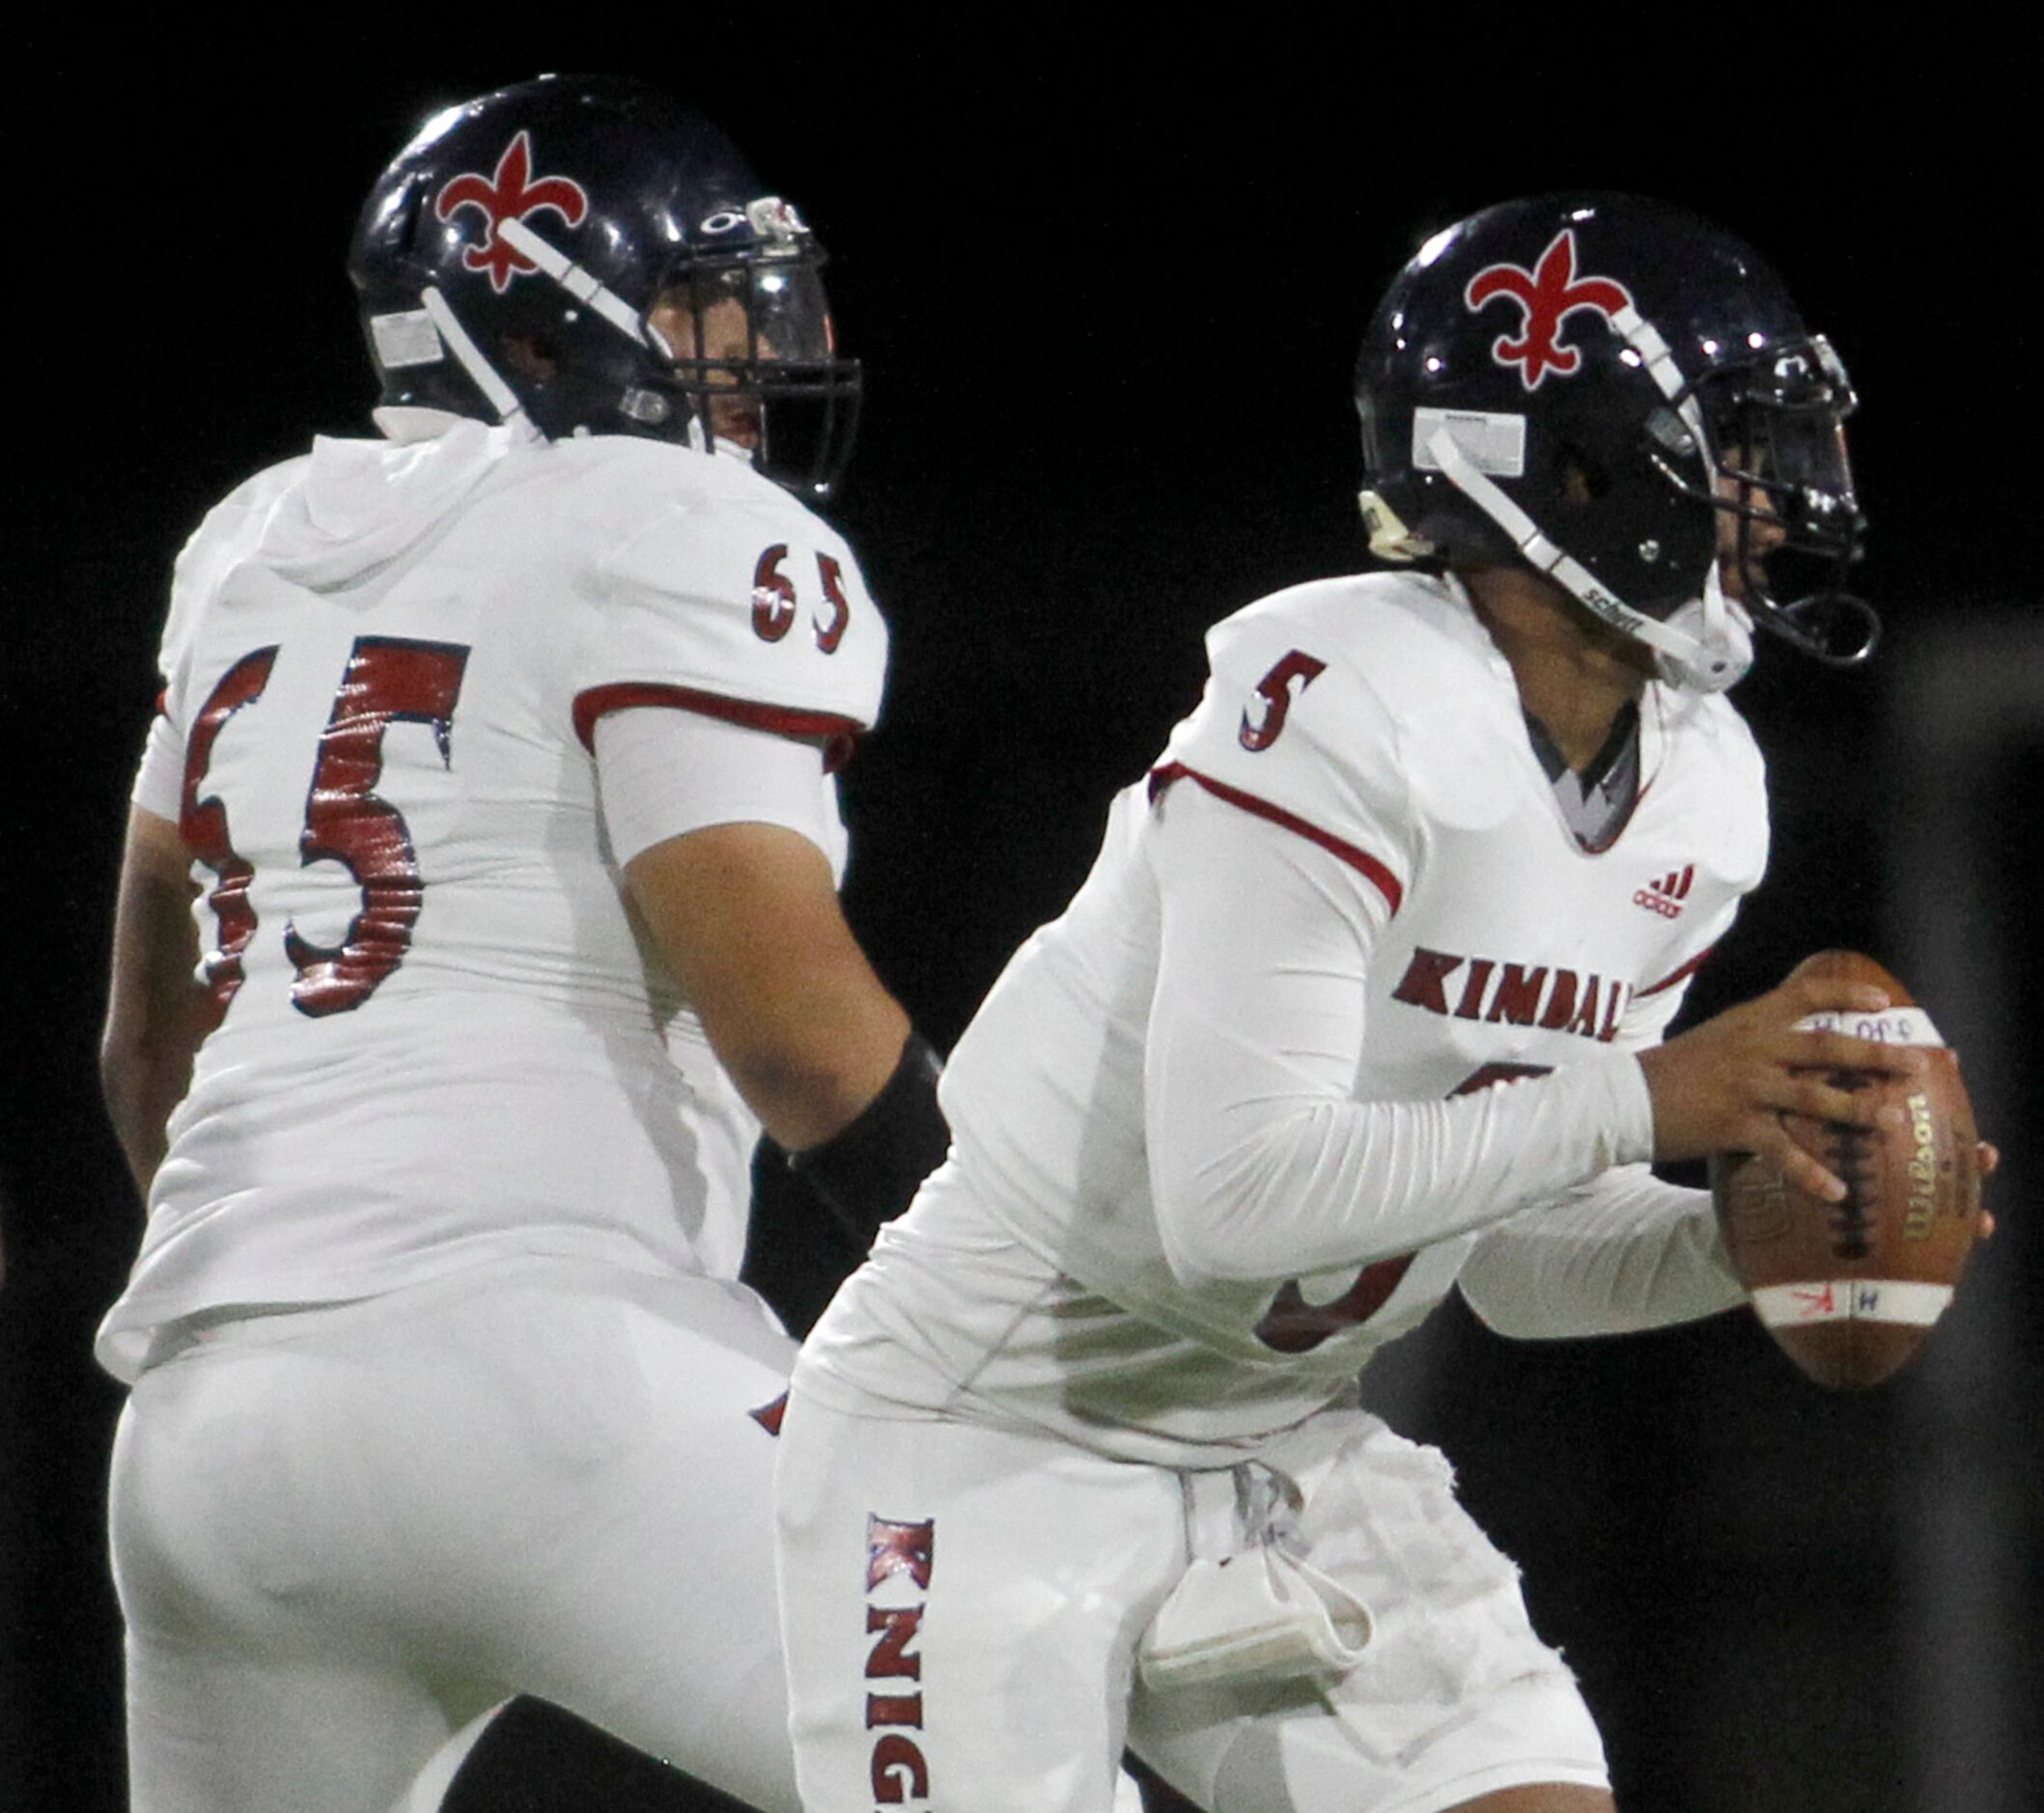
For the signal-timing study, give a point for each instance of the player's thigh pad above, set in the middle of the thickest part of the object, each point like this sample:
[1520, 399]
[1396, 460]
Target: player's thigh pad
[1454, 1696]
[961, 1606]
[539, 1478]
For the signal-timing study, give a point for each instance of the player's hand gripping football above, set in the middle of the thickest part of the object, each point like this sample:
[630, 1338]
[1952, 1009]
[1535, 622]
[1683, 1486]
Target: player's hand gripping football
[1725, 1085]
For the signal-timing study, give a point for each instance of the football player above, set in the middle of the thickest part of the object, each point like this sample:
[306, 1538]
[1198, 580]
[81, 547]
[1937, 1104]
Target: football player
[492, 804]
[1363, 998]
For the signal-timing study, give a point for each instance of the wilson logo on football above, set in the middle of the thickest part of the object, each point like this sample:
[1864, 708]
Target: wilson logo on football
[1666, 895]
[1549, 293]
[509, 193]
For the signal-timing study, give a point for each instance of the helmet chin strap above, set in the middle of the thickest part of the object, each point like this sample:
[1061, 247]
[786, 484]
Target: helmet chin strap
[1706, 646]
[1722, 632]
[469, 357]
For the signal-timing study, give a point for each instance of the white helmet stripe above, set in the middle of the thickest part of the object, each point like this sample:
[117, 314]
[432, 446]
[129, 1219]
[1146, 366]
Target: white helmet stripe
[1645, 338]
[573, 278]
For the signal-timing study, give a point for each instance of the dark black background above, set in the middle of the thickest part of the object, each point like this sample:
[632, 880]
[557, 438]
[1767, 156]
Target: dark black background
[1109, 296]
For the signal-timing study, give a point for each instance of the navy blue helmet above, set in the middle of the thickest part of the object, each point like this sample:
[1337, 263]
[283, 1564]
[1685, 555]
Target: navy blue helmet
[1596, 385]
[511, 261]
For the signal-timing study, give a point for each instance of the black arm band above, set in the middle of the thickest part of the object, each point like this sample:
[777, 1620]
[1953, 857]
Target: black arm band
[868, 1171]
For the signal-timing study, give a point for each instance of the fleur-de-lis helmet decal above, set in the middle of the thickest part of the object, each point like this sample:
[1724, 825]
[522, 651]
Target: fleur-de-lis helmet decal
[1548, 295]
[509, 193]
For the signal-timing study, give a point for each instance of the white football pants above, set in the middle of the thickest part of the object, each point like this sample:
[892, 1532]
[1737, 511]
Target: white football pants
[341, 1533]
[965, 1606]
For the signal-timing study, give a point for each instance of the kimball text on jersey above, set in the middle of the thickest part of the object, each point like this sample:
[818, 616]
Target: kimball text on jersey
[1571, 1001]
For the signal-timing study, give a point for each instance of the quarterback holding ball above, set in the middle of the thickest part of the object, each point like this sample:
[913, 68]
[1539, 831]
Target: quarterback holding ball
[1363, 1000]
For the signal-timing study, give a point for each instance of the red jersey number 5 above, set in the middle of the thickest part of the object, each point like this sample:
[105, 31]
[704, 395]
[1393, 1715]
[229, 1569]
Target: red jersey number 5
[1275, 689]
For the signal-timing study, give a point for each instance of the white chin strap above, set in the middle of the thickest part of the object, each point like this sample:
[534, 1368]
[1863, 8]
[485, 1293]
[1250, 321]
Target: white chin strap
[1720, 633]
[1707, 645]
[483, 374]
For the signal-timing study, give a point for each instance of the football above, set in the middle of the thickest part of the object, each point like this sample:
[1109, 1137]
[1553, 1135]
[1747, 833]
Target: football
[1851, 1290]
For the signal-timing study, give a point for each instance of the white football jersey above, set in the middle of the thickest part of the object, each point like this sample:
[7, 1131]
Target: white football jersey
[1223, 1128]
[441, 1036]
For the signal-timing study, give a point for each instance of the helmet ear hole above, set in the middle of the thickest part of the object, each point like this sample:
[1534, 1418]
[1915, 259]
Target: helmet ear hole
[1584, 481]
[530, 356]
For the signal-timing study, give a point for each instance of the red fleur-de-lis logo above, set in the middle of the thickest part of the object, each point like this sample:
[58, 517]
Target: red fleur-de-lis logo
[1550, 295]
[509, 193]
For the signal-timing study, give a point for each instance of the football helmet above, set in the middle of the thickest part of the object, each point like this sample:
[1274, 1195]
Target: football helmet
[511, 261]
[1592, 384]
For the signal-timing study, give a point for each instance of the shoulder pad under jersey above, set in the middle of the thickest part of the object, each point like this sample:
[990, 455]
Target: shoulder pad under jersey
[715, 581]
[225, 537]
[1307, 711]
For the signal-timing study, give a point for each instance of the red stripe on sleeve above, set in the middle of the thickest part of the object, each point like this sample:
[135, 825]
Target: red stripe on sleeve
[1683, 974]
[1361, 860]
[838, 735]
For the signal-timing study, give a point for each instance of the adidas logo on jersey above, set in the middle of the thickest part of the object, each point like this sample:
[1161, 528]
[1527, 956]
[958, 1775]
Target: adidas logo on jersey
[1666, 895]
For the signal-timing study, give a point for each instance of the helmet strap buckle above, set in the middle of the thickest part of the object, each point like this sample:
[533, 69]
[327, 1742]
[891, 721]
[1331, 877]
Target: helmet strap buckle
[1390, 537]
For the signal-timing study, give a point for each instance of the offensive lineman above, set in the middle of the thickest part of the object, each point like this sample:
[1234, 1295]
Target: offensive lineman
[1076, 1456]
[502, 754]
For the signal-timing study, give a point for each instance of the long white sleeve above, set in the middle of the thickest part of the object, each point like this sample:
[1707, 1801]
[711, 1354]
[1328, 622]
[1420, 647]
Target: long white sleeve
[1623, 1252]
[1262, 1165]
